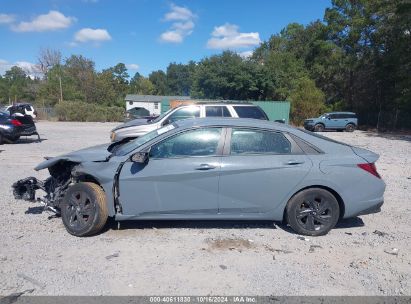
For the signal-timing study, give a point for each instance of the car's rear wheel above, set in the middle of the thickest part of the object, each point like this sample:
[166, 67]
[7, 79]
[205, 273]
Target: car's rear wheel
[319, 128]
[313, 212]
[350, 128]
[84, 209]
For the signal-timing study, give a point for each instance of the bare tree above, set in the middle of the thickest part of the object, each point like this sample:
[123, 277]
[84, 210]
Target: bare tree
[48, 58]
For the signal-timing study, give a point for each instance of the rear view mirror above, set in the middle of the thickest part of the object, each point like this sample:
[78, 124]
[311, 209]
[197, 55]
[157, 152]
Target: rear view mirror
[166, 122]
[140, 157]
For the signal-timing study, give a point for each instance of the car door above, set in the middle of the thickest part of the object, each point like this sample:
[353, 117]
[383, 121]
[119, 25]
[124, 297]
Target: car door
[181, 176]
[333, 121]
[259, 169]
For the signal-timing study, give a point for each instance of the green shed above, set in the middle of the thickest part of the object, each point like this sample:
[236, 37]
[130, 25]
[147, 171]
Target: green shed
[275, 109]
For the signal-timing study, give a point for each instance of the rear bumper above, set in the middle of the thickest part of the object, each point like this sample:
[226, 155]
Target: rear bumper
[373, 209]
[365, 207]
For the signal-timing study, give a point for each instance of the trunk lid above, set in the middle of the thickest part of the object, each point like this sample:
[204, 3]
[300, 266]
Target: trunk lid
[367, 155]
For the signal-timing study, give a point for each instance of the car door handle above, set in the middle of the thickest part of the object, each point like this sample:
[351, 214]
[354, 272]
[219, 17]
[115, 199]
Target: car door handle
[206, 167]
[294, 162]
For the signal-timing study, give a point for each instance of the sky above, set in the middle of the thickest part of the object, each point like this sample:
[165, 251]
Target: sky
[146, 35]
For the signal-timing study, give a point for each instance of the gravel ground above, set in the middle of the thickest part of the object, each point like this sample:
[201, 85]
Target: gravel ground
[202, 258]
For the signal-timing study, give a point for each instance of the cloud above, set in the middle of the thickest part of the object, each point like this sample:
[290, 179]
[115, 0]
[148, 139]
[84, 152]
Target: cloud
[227, 36]
[132, 66]
[52, 21]
[29, 68]
[246, 54]
[182, 26]
[6, 19]
[91, 35]
[179, 13]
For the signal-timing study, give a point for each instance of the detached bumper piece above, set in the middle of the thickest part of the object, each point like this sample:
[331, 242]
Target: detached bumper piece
[25, 189]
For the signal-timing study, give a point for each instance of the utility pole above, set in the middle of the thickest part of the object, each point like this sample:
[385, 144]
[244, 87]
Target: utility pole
[61, 90]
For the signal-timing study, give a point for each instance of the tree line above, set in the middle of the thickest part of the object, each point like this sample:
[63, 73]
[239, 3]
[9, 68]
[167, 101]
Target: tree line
[357, 59]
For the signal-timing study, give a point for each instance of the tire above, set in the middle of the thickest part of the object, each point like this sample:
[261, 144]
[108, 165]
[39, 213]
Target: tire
[1, 139]
[350, 127]
[312, 212]
[14, 139]
[84, 209]
[319, 128]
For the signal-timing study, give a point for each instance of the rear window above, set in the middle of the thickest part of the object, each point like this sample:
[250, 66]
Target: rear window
[323, 137]
[250, 112]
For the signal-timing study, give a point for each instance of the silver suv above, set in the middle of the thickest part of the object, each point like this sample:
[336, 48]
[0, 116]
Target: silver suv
[138, 127]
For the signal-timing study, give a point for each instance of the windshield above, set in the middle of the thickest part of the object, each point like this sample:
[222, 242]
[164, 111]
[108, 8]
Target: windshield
[134, 144]
[161, 116]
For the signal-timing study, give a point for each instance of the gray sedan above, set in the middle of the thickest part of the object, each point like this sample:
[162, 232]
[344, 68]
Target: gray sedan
[212, 169]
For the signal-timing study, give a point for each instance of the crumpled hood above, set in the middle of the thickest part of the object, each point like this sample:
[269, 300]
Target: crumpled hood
[96, 153]
[131, 123]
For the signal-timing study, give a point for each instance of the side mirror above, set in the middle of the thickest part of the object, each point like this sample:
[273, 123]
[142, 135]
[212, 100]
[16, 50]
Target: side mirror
[140, 157]
[166, 122]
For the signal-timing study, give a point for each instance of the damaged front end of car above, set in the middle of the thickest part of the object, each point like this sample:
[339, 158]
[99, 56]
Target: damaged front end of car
[54, 186]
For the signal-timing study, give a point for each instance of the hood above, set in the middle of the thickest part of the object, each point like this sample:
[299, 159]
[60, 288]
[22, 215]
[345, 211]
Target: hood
[131, 123]
[96, 153]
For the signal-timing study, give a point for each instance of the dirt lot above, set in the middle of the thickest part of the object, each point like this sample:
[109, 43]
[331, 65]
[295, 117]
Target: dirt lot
[202, 258]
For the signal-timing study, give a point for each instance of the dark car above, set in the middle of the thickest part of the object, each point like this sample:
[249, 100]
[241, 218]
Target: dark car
[14, 126]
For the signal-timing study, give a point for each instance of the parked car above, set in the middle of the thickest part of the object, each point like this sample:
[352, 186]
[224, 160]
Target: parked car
[212, 169]
[14, 126]
[139, 127]
[347, 121]
[22, 108]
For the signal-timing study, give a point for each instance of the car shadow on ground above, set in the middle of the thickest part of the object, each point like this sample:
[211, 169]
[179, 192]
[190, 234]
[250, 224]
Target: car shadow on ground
[211, 224]
[194, 224]
[34, 210]
[390, 136]
[29, 140]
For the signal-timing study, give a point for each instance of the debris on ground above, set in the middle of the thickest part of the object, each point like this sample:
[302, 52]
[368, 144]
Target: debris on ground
[302, 238]
[31, 280]
[393, 251]
[312, 248]
[112, 256]
[223, 267]
[269, 248]
[349, 233]
[380, 233]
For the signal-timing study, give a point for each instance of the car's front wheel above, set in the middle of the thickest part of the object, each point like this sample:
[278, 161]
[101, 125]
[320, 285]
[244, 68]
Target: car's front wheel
[313, 212]
[319, 128]
[84, 209]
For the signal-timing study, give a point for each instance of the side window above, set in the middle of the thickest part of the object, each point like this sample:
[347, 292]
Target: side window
[184, 113]
[217, 111]
[250, 112]
[199, 142]
[248, 141]
[226, 113]
[332, 116]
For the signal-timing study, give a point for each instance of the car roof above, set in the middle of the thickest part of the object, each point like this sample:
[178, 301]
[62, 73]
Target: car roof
[341, 113]
[215, 104]
[235, 122]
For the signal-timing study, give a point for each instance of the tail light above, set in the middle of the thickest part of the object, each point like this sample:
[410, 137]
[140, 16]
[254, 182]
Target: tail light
[16, 123]
[370, 168]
